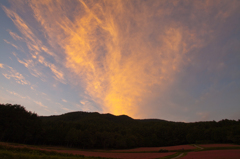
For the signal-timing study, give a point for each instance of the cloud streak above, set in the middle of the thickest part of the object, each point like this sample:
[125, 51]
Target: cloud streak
[115, 66]
[11, 73]
[35, 47]
[40, 104]
[117, 51]
[18, 95]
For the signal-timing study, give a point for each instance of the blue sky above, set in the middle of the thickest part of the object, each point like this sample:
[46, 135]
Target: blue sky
[172, 60]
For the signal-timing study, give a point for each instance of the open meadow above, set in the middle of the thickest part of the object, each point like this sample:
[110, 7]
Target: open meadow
[27, 151]
[214, 154]
[211, 151]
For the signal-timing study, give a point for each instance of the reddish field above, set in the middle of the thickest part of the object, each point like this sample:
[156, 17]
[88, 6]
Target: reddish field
[117, 155]
[109, 154]
[179, 147]
[214, 154]
[219, 145]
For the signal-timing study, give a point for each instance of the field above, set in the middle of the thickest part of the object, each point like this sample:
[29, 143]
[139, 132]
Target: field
[55, 152]
[215, 151]
[214, 154]
[218, 145]
[156, 149]
[211, 151]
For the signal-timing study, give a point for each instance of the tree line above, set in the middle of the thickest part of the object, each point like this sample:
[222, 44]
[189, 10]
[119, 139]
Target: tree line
[105, 131]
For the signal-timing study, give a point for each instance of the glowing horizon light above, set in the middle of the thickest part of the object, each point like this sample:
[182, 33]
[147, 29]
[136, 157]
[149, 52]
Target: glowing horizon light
[117, 56]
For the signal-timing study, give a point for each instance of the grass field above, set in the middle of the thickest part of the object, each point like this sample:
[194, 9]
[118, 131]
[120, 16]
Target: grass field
[25, 153]
[218, 145]
[156, 149]
[213, 151]
[19, 151]
[213, 154]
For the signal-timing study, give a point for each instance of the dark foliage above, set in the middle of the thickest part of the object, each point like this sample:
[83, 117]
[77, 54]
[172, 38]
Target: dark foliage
[106, 131]
[18, 125]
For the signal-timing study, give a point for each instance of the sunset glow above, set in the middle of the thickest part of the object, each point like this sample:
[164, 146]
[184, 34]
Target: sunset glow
[175, 60]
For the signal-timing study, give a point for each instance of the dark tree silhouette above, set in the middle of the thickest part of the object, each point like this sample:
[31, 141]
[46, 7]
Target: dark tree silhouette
[93, 130]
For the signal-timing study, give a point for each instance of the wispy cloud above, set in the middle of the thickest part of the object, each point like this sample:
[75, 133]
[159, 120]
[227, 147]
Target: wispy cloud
[85, 105]
[11, 73]
[18, 95]
[40, 104]
[64, 100]
[118, 71]
[16, 47]
[35, 47]
[14, 35]
[119, 52]
[66, 109]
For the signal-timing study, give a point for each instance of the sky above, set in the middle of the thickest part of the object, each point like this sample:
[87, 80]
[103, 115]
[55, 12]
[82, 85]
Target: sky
[175, 60]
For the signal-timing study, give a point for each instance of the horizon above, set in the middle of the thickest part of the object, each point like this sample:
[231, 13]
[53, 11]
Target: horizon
[121, 115]
[171, 60]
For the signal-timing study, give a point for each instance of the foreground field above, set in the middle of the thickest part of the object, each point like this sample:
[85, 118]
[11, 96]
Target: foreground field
[57, 151]
[156, 149]
[211, 151]
[218, 145]
[214, 154]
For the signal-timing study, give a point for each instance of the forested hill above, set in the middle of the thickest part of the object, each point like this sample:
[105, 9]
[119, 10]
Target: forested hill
[86, 116]
[80, 116]
[106, 131]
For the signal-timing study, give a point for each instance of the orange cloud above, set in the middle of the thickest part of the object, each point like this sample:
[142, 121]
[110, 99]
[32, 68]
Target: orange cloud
[14, 35]
[116, 50]
[34, 45]
[18, 77]
[40, 104]
[18, 95]
[11, 44]
[115, 66]
[64, 100]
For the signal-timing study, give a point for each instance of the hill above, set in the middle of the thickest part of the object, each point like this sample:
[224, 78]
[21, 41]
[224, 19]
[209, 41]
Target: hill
[88, 116]
[80, 116]
[107, 131]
